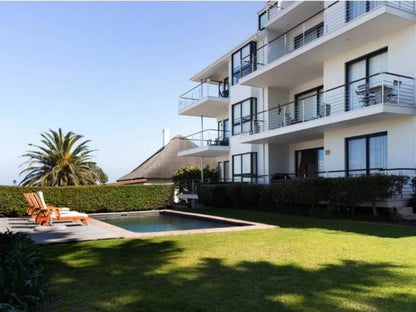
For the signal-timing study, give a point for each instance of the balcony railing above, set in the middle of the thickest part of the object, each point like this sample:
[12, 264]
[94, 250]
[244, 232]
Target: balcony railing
[201, 91]
[380, 88]
[322, 23]
[206, 138]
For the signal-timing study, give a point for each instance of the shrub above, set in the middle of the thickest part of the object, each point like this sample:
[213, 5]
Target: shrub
[314, 197]
[191, 172]
[89, 198]
[22, 283]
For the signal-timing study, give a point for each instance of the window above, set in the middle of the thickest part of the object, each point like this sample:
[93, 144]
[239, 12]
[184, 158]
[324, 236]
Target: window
[223, 88]
[366, 154]
[243, 115]
[224, 171]
[244, 61]
[308, 105]
[262, 20]
[355, 9]
[224, 131]
[309, 35]
[309, 163]
[358, 78]
[245, 167]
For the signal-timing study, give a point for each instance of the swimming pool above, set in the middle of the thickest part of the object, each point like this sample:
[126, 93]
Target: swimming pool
[161, 221]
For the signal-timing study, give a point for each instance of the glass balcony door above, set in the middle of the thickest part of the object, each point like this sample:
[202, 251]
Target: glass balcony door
[362, 87]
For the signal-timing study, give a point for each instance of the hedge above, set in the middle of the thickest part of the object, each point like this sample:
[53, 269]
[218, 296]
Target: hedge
[89, 199]
[316, 197]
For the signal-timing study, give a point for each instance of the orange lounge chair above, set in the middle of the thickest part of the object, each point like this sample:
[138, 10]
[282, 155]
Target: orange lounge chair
[34, 207]
[31, 205]
[48, 214]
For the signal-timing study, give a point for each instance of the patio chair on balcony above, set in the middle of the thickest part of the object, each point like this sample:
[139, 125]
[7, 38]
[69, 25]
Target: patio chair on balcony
[324, 110]
[365, 96]
[393, 97]
[224, 94]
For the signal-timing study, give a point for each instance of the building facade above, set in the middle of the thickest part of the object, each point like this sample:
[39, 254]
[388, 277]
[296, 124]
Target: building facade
[321, 89]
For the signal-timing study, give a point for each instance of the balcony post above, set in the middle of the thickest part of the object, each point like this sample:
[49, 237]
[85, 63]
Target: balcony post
[285, 45]
[202, 169]
[382, 87]
[303, 34]
[303, 111]
[284, 116]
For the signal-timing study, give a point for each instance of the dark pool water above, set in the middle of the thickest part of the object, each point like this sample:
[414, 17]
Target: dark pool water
[164, 222]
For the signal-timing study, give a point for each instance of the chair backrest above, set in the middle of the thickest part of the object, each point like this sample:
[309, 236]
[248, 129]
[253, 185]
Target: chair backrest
[362, 88]
[40, 200]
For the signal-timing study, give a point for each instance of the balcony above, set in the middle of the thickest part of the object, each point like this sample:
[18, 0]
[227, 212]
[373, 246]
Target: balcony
[379, 97]
[329, 32]
[207, 143]
[208, 99]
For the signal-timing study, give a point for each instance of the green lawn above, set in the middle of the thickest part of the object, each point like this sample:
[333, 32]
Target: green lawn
[303, 265]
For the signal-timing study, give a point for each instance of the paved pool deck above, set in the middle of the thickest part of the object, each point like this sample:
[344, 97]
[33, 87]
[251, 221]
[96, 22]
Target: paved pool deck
[65, 232]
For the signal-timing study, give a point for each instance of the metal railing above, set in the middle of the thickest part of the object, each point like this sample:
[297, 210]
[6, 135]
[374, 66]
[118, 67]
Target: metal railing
[209, 137]
[274, 9]
[407, 189]
[380, 88]
[320, 24]
[201, 91]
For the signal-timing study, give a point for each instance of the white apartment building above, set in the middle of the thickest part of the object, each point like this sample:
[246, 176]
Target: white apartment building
[322, 88]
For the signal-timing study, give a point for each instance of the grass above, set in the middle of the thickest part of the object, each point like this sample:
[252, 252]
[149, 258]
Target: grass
[303, 265]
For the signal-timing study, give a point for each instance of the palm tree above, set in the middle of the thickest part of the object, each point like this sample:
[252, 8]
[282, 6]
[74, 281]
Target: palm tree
[61, 161]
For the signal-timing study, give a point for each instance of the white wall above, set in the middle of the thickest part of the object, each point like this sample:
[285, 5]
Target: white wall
[401, 56]
[279, 159]
[401, 146]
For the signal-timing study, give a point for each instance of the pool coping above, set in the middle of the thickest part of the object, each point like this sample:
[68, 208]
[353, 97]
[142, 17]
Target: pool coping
[248, 225]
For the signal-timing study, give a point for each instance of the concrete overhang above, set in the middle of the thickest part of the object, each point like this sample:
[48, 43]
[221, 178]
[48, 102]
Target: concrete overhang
[306, 63]
[315, 129]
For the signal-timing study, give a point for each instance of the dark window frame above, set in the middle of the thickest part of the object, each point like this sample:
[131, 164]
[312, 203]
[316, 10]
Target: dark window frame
[299, 42]
[245, 66]
[317, 149]
[244, 119]
[260, 26]
[253, 167]
[367, 150]
[369, 5]
[224, 88]
[298, 96]
[365, 57]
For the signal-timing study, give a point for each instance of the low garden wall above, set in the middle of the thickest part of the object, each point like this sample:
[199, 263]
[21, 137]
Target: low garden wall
[314, 197]
[89, 199]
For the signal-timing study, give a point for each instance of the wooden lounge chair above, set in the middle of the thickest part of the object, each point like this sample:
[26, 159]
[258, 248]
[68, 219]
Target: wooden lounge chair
[31, 205]
[34, 207]
[48, 214]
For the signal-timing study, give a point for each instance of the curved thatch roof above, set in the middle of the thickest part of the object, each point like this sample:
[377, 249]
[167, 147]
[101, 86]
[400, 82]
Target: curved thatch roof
[163, 163]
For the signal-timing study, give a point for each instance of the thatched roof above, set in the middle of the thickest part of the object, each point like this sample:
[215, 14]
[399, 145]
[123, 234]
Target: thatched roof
[163, 163]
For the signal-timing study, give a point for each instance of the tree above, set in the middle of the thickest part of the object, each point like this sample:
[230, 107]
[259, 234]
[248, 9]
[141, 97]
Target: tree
[101, 175]
[60, 161]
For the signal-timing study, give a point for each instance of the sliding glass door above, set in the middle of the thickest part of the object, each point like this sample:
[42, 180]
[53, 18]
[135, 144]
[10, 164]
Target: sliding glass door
[363, 81]
[366, 154]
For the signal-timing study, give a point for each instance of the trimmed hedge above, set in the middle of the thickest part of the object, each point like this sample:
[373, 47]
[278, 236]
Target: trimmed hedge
[315, 197]
[89, 198]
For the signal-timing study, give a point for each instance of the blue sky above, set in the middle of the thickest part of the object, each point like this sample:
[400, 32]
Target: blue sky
[111, 71]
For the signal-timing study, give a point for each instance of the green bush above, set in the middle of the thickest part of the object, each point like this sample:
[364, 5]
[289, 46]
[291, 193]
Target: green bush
[191, 172]
[314, 197]
[89, 198]
[22, 283]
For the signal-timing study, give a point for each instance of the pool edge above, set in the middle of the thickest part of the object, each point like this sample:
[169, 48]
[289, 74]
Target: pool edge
[247, 225]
